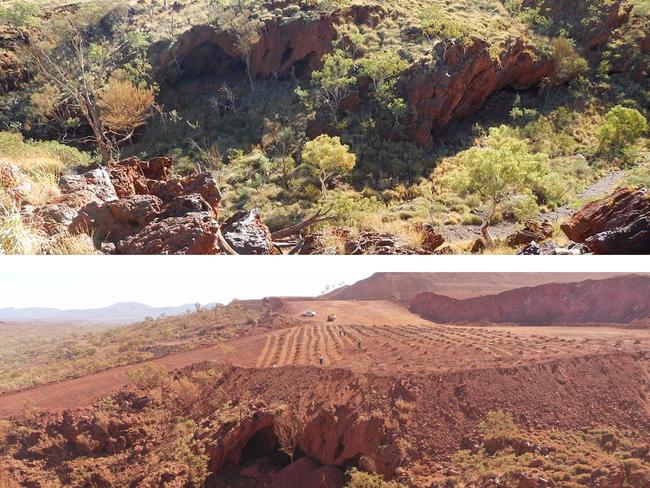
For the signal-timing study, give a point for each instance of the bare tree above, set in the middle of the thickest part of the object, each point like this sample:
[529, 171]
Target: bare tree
[112, 108]
[245, 29]
[289, 427]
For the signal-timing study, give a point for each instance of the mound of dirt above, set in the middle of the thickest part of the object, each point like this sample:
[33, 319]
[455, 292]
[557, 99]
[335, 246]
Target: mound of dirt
[615, 300]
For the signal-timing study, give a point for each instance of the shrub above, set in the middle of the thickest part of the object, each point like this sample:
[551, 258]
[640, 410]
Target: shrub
[360, 479]
[148, 376]
[622, 128]
[435, 22]
[498, 171]
[124, 106]
[498, 425]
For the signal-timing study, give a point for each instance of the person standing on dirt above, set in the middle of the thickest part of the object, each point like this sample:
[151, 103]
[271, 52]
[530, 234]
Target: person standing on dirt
[177, 375]
[320, 359]
[359, 345]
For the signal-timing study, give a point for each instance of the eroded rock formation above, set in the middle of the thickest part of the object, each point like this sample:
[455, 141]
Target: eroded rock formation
[616, 224]
[437, 90]
[463, 79]
[285, 46]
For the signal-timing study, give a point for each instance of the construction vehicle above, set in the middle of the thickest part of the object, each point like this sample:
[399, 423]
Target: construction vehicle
[331, 317]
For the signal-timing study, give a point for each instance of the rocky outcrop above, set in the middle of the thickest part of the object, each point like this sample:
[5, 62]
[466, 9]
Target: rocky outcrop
[286, 45]
[452, 87]
[617, 224]
[149, 211]
[12, 73]
[247, 234]
[614, 300]
[368, 242]
[591, 22]
[463, 79]
[395, 425]
[532, 231]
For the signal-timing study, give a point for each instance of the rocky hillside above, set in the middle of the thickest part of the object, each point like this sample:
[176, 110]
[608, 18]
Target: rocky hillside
[403, 287]
[407, 100]
[614, 300]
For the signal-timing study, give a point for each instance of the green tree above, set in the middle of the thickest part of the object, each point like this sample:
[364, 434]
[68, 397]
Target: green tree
[334, 82]
[497, 171]
[622, 128]
[383, 69]
[329, 156]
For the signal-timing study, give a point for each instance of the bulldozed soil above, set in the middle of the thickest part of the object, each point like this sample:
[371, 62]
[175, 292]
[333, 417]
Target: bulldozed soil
[361, 384]
[378, 337]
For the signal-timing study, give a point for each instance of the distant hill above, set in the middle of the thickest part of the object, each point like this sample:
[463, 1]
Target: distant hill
[622, 299]
[402, 287]
[124, 312]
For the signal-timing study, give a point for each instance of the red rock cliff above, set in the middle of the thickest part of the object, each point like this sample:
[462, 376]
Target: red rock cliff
[618, 300]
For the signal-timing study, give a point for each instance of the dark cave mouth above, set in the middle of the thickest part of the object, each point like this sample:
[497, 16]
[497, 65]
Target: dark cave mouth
[208, 60]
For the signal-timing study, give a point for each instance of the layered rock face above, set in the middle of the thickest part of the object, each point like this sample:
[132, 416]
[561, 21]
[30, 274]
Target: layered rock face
[616, 300]
[138, 207]
[297, 45]
[464, 78]
[617, 224]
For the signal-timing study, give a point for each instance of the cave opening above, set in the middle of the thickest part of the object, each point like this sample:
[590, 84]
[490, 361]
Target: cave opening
[208, 60]
[304, 66]
[264, 444]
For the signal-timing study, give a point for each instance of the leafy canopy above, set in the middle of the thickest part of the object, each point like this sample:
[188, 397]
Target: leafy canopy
[498, 170]
[329, 156]
[622, 128]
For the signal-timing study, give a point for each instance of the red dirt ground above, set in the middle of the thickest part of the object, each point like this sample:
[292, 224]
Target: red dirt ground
[393, 342]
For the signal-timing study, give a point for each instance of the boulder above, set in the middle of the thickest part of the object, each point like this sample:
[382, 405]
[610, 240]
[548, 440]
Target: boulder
[184, 205]
[247, 234]
[54, 217]
[432, 240]
[532, 231]
[131, 176]
[552, 249]
[478, 247]
[97, 182]
[116, 220]
[176, 187]
[194, 233]
[617, 224]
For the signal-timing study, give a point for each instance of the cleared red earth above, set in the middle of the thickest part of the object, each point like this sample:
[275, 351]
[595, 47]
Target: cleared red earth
[367, 336]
